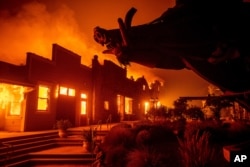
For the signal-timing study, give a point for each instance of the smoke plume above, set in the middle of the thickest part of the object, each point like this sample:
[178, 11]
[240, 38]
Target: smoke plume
[35, 29]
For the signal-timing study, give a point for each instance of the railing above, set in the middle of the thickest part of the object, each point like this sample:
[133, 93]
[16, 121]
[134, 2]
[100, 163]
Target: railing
[99, 124]
[108, 121]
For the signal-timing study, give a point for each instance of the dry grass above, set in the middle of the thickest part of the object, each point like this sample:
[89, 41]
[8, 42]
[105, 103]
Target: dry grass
[196, 151]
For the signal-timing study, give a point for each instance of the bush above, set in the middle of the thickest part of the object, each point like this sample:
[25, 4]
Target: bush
[118, 136]
[124, 145]
[147, 158]
[196, 151]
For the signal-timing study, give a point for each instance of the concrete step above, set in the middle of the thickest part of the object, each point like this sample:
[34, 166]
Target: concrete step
[36, 161]
[21, 154]
[62, 155]
[74, 140]
[28, 136]
[37, 155]
[16, 149]
[79, 132]
[21, 163]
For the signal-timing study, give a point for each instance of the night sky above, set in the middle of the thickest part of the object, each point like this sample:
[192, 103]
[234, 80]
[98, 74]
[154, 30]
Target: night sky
[33, 25]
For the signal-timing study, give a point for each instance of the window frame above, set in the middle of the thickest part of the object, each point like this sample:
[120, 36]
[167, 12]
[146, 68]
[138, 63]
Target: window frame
[44, 98]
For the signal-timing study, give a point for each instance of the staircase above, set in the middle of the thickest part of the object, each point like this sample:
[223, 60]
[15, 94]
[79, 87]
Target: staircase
[14, 151]
[46, 149]
[75, 155]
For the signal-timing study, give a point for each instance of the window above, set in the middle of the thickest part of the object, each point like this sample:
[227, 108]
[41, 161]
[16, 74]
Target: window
[67, 91]
[146, 107]
[83, 96]
[106, 105]
[128, 105]
[83, 104]
[43, 98]
[83, 107]
[63, 90]
[71, 92]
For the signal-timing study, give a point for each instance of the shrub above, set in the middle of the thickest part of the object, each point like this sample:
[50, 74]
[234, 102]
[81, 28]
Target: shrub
[143, 138]
[116, 157]
[147, 158]
[196, 151]
[118, 136]
[63, 124]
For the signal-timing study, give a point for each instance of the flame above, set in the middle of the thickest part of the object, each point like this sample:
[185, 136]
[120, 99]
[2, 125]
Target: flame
[11, 98]
[35, 27]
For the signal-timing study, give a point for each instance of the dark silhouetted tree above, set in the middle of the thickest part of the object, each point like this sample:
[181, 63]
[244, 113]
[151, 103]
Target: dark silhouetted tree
[216, 104]
[180, 106]
[195, 112]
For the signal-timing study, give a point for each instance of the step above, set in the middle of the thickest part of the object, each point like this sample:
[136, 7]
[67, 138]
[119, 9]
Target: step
[21, 163]
[62, 155]
[33, 144]
[30, 147]
[28, 136]
[70, 141]
[30, 139]
[24, 150]
[21, 154]
[42, 161]
[80, 132]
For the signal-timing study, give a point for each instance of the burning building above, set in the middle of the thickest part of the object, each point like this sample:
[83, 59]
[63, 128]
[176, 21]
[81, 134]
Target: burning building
[33, 96]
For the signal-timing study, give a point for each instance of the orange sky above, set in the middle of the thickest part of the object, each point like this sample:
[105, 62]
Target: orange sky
[33, 25]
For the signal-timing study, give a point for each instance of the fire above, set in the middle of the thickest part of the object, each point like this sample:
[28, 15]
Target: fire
[35, 29]
[12, 98]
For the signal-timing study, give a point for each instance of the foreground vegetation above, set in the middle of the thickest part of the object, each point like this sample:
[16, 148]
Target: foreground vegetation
[174, 144]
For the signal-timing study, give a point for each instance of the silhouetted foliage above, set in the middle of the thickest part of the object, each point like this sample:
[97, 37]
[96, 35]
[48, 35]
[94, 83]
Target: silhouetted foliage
[216, 104]
[160, 112]
[180, 106]
[196, 150]
[140, 146]
[194, 112]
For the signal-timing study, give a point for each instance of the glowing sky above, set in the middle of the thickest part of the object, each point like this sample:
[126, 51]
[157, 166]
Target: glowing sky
[33, 25]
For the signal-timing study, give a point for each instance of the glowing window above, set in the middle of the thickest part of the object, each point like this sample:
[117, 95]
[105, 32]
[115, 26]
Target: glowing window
[83, 96]
[71, 92]
[43, 98]
[63, 90]
[67, 91]
[106, 105]
[83, 107]
[146, 107]
[128, 105]
[119, 103]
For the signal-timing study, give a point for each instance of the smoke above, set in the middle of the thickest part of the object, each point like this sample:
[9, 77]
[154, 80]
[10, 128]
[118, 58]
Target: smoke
[35, 29]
